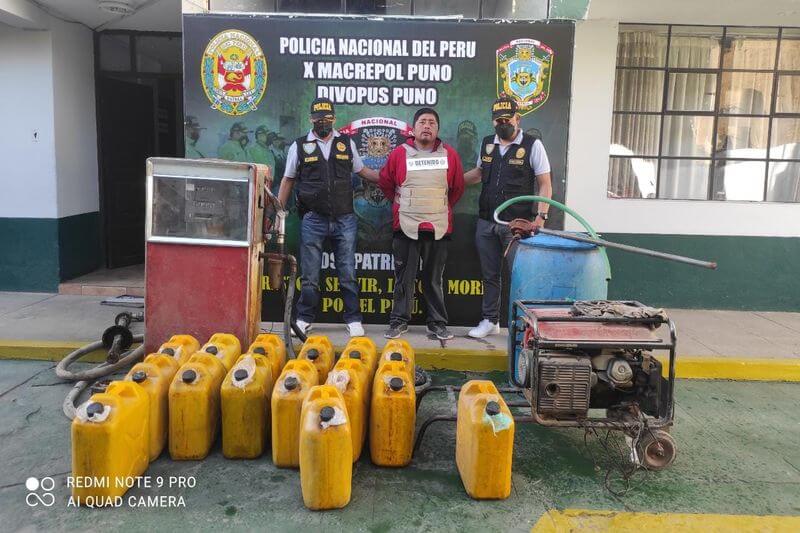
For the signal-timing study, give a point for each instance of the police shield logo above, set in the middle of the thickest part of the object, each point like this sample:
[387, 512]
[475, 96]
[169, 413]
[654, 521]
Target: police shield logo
[234, 72]
[309, 148]
[489, 149]
[374, 139]
[340, 146]
[520, 153]
[523, 73]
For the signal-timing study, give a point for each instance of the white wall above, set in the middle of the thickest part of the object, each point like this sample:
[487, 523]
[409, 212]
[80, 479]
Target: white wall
[712, 12]
[27, 168]
[47, 88]
[75, 120]
[587, 162]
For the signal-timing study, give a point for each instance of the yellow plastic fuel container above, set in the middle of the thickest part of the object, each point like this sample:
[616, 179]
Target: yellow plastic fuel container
[400, 346]
[225, 347]
[326, 450]
[319, 350]
[291, 388]
[362, 348]
[245, 397]
[272, 347]
[350, 376]
[484, 441]
[180, 348]
[392, 415]
[110, 442]
[399, 351]
[155, 374]
[194, 406]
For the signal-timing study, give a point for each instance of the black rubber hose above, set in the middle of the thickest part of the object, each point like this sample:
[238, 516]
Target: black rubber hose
[86, 377]
[288, 324]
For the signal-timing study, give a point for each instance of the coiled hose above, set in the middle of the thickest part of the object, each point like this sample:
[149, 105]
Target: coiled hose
[84, 378]
[505, 205]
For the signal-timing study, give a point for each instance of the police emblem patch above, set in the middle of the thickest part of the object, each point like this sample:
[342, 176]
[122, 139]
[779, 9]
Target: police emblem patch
[309, 147]
[340, 146]
[489, 149]
[234, 72]
[523, 73]
[520, 152]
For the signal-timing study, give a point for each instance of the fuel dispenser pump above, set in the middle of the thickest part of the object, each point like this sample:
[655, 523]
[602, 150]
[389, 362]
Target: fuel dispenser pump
[204, 248]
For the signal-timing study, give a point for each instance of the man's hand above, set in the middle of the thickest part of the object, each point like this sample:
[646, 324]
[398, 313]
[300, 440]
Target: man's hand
[538, 222]
[369, 175]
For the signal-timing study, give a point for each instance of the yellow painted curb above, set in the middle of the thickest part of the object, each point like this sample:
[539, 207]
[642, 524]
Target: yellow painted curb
[46, 350]
[736, 368]
[584, 520]
[686, 367]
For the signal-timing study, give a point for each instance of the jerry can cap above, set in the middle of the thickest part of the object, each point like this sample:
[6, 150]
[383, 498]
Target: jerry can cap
[492, 408]
[260, 350]
[168, 351]
[327, 413]
[94, 408]
[312, 354]
[188, 375]
[240, 374]
[291, 383]
[139, 376]
[212, 349]
[396, 384]
[396, 356]
[355, 354]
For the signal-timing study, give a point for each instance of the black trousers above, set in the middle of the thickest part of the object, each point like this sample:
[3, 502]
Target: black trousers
[491, 240]
[407, 253]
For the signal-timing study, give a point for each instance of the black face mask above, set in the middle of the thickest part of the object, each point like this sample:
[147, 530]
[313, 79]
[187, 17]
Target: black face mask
[505, 131]
[322, 129]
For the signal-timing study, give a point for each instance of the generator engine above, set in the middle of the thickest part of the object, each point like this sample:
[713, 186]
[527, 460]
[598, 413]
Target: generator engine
[567, 383]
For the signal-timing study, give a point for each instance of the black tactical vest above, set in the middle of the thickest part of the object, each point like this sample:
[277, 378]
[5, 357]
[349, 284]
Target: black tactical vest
[505, 177]
[324, 187]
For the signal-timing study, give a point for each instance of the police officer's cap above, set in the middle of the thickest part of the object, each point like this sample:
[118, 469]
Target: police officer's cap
[467, 127]
[322, 108]
[191, 123]
[240, 127]
[504, 107]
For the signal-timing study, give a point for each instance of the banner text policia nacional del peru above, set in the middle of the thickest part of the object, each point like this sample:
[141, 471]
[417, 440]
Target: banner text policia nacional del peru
[264, 71]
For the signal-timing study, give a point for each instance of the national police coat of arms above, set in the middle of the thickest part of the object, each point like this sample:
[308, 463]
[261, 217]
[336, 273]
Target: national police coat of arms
[523, 73]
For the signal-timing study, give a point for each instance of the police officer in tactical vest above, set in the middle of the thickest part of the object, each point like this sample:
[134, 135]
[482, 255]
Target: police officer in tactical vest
[511, 163]
[320, 165]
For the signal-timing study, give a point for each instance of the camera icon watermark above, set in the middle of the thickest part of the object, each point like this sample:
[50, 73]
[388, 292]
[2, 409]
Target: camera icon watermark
[34, 497]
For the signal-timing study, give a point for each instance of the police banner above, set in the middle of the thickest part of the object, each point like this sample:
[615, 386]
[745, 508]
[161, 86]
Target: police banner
[249, 81]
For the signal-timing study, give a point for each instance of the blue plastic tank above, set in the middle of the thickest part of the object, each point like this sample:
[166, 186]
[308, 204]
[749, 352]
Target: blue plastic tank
[546, 267]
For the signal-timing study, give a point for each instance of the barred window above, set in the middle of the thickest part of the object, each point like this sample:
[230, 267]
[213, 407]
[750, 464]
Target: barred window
[706, 113]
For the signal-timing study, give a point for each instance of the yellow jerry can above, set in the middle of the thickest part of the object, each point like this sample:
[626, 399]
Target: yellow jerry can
[319, 350]
[349, 376]
[194, 406]
[155, 374]
[400, 346]
[225, 347]
[272, 347]
[484, 441]
[291, 388]
[110, 442]
[326, 450]
[245, 407]
[180, 348]
[395, 356]
[392, 415]
[362, 348]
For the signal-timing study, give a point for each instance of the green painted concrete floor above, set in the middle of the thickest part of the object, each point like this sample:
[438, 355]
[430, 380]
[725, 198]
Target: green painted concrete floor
[738, 454]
